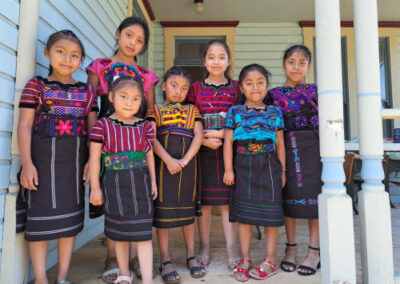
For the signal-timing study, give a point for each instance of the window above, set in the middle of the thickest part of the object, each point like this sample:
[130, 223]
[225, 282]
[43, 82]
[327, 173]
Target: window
[189, 54]
[386, 92]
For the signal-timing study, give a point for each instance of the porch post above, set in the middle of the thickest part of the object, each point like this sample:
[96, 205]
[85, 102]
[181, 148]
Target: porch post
[15, 257]
[375, 222]
[335, 206]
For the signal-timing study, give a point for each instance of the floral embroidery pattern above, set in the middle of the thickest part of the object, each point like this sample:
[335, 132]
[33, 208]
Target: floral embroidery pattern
[254, 149]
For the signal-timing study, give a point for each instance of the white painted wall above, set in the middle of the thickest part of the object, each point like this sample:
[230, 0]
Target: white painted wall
[9, 18]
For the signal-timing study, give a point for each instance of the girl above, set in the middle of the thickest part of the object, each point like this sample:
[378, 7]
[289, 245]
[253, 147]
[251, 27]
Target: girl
[123, 144]
[55, 117]
[179, 137]
[132, 40]
[213, 96]
[299, 105]
[253, 131]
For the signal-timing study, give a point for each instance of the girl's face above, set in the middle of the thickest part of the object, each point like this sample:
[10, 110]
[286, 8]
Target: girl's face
[127, 100]
[216, 60]
[254, 87]
[65, 57]
[296, 67]
[176, 88]
[131, 40]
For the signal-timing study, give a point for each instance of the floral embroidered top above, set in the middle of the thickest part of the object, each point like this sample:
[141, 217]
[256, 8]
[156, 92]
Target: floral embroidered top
[61, 109]
[106, 69]
[299, 105]
[213, 101]
[254, 124]
[117, 136]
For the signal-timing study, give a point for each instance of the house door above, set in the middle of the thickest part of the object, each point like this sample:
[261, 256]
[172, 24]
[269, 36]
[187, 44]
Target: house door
[189, 51]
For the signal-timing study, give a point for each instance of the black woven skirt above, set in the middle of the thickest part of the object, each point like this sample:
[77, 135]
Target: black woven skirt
[56, 209]
[304, 167]
[128, 205]
[257, 194]
[177, 194]
[213, 190]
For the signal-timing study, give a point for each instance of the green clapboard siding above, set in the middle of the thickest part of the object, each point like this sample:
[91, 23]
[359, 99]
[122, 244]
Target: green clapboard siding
[9, 19]
[157, 56]
[264, 43]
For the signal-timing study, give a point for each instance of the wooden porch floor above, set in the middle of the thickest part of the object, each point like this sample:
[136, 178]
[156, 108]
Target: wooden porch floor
[87, 262]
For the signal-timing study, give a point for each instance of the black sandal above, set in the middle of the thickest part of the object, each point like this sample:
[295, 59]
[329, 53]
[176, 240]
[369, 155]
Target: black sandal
[195, 269]
[167, 276]
[309, 270]
[288, 263]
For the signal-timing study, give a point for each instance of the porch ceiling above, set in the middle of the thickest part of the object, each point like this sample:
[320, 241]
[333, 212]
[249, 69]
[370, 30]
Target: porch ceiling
[259, 11]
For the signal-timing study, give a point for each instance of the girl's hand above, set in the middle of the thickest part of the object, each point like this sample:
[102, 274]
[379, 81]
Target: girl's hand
[86, 174]
[173, 166]
[212, 133]
[212, 143]
[96, 197]
[183, 162]
[29, 177]
[229, 178]
[154, 190]
[283, 179]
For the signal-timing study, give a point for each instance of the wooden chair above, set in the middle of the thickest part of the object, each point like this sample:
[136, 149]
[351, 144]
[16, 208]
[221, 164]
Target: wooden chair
[348, 171]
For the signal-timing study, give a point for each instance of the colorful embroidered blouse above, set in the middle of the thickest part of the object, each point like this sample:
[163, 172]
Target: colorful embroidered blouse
[106, 69]
[61, 109]
[213, 101]
[254, 124]
[299, 105]
[117, 136]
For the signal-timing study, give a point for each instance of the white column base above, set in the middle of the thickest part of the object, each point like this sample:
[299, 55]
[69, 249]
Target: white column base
[376, 237]
[337, 238]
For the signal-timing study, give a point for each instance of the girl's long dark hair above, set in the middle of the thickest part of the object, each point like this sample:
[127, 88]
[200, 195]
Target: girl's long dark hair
[64, 34]
[247, 69]
[297, 48]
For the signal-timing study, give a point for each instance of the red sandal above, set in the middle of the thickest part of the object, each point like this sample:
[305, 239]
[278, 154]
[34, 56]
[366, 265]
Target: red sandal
[241, 273]
[258, 272]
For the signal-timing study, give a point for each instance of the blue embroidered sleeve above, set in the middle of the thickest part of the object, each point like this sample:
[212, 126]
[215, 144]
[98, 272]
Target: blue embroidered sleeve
[230, 119]
[279, 119]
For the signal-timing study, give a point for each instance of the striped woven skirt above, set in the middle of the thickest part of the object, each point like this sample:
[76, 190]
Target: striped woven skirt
[304, 167]
[213, 190]
[257, 195]
[56, 209]
[177, 194]
[128, 203]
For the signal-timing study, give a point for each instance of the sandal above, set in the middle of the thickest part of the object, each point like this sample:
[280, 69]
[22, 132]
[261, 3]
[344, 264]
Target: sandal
[167, 276]
[241, 273]
[258, 272]
[309, 270]
[110, 262]
[288, 263]
[126, 278]
[194, 270]
[233, 262]
[65, 281]
[134, 266]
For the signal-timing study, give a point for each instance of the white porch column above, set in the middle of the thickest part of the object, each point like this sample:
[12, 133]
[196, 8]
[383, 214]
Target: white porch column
[335, 206]
[15, 257]
[375, 222]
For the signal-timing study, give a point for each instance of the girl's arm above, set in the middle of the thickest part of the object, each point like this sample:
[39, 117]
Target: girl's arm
[280, 150]
[151, 99]
[195, 145]
[152, 170]
[92, 118]
[171, 163]
[93, 80]
[96, 196]
[212, 133]
[229, 176]
[29, 175]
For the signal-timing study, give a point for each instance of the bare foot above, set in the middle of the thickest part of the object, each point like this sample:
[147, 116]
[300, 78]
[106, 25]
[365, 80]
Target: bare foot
[204, 256]
[110, 264]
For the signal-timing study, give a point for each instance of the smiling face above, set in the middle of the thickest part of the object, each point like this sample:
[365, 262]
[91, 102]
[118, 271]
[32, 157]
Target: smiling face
[216, 60]
[296, 67]
[254, 86]
[176, 88]
[65, 56]
[131, 40]
[127, 100]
